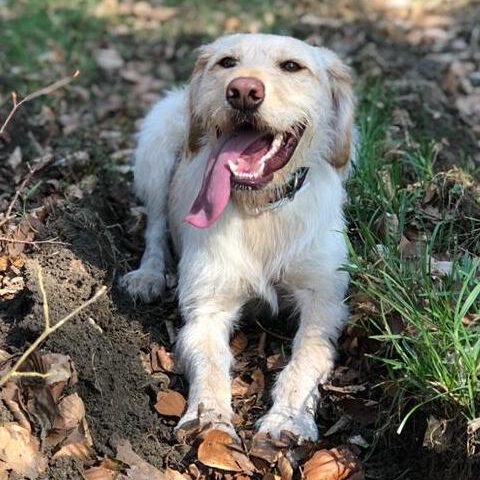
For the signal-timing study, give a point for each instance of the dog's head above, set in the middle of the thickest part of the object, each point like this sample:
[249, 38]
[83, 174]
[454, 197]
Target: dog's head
[262, 100]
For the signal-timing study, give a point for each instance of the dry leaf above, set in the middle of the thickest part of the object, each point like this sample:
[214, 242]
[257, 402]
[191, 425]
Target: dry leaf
[238, 343]
[99, 473]
[263, 447]
[15, 158]
[9, 395]
[3, 263]
[239, 387]
[170, 403]
[19, 451]
[219, 450]
[334, 464]
[258, 384]
[440, 267]
[161, 359]
[107, 470]
[77, 450]
[71, 412]
[276, 361]
[108, 59]
[285, 468]
[138, 469]
[194, 471]
[173, 475]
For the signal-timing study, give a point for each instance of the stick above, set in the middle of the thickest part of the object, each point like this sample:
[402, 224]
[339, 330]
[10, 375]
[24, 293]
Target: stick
[33, 242]
[48, 329]
[38, 93]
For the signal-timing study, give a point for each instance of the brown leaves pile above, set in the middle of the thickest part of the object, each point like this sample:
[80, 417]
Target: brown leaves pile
[46, 420]
[220, 456]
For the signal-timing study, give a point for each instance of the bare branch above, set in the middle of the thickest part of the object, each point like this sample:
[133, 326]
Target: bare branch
[46, 313]
[48, 329]
[38, 93]
[33, 242]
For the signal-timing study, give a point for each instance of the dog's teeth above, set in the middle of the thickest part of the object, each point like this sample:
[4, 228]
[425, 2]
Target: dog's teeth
[233, 167]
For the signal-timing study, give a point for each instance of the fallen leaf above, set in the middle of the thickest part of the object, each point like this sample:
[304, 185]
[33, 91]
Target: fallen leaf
[108, 59]
[258, 384]
[15, 158]
[239, 387]
[107, 470]
[161, 359]
[138, 469]
[440, 267]
[359, 441]
[276, 361]
[194, 471]
[263, 447]
[77, 450]
[173, 475]
[146, 10]
[285, 468]
[219, 450]
[9, 395]
[99, 473]
[3, 263]
[19, 451]
[238, 343]
[334, 464]
[170, 403]
[71, 412]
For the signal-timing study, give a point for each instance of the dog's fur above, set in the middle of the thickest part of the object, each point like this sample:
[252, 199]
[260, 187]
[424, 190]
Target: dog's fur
[298, 247]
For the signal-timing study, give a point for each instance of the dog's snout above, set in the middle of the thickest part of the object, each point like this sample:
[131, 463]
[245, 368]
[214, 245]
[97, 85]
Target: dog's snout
[245, 93]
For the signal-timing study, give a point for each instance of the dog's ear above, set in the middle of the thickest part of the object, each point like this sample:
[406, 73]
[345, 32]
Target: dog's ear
[343, 104]
[195, 129]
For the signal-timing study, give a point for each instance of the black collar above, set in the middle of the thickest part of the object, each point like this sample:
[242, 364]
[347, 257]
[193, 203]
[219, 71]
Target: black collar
[285, 193]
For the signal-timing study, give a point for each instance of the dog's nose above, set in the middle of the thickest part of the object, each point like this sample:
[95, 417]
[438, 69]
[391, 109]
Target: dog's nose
[245, 93]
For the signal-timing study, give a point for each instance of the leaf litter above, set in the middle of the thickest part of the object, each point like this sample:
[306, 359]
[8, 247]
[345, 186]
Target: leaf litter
[50, 423]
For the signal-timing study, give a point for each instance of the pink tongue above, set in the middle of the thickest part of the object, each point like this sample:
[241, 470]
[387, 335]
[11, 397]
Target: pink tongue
[215, 190]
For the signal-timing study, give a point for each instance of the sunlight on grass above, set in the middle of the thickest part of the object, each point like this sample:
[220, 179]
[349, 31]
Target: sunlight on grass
[426, 322]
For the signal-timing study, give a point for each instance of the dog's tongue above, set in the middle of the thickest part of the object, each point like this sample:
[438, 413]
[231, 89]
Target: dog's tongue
[215, 190]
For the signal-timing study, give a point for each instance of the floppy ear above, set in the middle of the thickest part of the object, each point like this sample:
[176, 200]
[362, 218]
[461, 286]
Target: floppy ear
[343, 104]
[195, 129]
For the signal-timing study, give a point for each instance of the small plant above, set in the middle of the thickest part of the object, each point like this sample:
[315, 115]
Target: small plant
[425, 313]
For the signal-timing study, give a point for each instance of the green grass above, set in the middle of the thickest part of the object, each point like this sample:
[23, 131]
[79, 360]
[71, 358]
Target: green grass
[48, 36]
[427, 325]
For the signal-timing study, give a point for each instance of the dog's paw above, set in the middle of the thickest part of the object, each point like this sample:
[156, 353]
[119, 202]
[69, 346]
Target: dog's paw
[207, 418]
[301, 424]
[146, 285]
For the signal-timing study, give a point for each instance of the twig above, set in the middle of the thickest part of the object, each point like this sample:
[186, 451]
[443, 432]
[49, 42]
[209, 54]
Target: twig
[273, 334]
[48, 329]
[38, 93]
[261, 344]
[33, 242]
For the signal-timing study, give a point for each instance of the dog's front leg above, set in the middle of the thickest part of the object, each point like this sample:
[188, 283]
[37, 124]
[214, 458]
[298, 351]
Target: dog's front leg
[295, 395]
[204, 352]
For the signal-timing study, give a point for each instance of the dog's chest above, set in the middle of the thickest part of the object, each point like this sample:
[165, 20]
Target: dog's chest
[271, 239]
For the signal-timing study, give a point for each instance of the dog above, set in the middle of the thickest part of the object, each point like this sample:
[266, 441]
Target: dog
[244, 168]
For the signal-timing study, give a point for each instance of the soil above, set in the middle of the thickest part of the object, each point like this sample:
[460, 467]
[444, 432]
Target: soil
[103, 240]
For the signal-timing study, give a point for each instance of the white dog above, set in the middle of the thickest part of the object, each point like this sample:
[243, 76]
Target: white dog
[244, 168]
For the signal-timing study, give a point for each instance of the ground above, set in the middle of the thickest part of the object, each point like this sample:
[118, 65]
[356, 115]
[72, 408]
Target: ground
[417, 74]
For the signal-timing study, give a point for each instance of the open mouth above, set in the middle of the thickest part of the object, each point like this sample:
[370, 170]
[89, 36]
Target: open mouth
[262, 155]
[244, 159]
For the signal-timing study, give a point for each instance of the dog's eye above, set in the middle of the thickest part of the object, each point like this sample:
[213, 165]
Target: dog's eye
[290, 66]
[228, 62]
